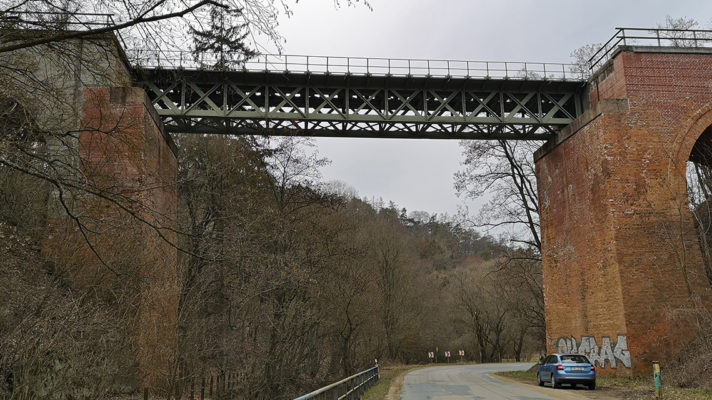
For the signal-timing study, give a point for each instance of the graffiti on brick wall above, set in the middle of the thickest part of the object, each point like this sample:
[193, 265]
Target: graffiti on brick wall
[613, 353]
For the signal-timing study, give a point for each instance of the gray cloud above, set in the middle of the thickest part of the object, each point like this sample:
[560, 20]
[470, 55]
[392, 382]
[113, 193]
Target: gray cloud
[418, 174]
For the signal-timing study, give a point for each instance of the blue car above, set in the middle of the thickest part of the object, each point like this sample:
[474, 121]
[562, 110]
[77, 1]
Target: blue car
[570, 369]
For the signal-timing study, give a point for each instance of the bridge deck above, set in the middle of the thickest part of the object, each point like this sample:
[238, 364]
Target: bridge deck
[363, 97]
[360, 105]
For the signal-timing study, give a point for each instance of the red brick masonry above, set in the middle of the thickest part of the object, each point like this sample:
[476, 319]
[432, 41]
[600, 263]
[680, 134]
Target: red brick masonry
[129, 168]
[622, 261]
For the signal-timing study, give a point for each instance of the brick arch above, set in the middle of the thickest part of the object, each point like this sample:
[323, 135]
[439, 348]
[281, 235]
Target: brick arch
[684, 141]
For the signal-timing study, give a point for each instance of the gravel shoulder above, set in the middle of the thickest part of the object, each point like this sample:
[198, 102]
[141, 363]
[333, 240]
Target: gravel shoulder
[614, 388]
[564, 393]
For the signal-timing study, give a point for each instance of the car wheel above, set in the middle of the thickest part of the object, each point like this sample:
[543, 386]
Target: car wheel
[592, 385]
[554, 383]
[538, 380]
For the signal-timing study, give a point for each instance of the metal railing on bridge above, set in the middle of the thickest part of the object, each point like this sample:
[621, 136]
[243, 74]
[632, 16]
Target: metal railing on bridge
[167, 59]
[359, 96]
[224, 93]
[59, 21]
[398, 67]
[659, 37]
[47, 20]
[351, 388]
[331, 105]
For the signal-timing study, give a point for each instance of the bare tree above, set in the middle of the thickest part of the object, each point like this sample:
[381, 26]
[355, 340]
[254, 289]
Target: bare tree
[582, 59]
[504, 171]
[150, 25]
[674, 31]
[484, 310]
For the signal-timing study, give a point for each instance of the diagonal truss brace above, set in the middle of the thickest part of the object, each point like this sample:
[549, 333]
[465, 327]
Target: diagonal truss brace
[360, 106]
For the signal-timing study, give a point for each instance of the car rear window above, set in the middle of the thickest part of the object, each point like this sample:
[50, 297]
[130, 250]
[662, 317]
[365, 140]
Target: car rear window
[574, 358]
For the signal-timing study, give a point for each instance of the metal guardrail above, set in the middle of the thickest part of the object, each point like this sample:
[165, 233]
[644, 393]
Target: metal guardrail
[57, 20]
[351, 388]
[660, 37]
[403, 67]
[163, 59]
[157, 58]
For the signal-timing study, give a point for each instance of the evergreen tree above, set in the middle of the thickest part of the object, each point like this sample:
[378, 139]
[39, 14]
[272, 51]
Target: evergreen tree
[223, 42]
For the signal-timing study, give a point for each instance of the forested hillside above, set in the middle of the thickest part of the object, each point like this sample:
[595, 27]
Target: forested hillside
[287, 282]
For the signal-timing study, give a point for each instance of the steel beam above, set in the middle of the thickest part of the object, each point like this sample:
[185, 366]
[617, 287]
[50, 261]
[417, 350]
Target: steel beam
[306, 104]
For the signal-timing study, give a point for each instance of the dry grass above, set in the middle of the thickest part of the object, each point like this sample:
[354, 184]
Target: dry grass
[390, 382]
[641, 388]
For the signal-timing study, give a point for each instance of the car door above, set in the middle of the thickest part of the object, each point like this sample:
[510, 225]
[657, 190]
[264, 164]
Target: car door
[551, 364]
[544, 374]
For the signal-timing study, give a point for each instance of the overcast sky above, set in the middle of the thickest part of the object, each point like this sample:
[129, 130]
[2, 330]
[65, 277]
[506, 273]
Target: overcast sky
[418, 174]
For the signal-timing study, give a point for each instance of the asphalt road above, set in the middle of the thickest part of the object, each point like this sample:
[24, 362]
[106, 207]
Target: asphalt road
[459, 382]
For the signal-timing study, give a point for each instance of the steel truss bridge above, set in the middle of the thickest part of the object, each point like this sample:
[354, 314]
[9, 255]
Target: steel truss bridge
[360, 97]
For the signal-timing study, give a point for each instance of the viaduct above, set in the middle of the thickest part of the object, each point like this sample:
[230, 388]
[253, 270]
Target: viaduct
[623, 264]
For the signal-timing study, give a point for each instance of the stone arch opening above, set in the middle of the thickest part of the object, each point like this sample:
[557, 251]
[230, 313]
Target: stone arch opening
[699, 194]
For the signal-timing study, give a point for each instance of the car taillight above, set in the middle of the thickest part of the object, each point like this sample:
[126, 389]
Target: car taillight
[560, 367]
[593, 369]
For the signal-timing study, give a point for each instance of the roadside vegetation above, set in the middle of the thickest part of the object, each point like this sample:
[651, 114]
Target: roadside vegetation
[390, 381]
[641, 388]
[286, 282]
[293, 281]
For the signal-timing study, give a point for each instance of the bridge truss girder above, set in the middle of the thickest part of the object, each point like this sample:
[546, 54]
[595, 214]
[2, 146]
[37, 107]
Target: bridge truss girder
[268, 103]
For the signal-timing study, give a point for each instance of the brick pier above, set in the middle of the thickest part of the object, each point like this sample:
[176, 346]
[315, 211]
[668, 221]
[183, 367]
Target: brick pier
[622, 260]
